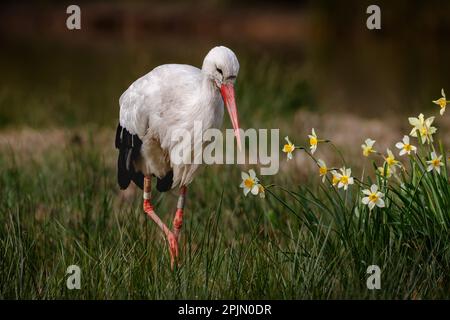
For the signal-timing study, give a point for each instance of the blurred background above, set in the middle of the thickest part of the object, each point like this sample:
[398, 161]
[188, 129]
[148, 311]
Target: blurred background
[303, 63]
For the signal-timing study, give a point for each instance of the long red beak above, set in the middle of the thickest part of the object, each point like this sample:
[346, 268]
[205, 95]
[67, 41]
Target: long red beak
[227, 91]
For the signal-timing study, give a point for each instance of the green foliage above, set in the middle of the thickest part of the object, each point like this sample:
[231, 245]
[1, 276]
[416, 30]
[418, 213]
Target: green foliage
[304, 243]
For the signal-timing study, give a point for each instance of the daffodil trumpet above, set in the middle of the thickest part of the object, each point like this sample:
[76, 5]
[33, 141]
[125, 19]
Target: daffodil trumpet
[442, 102]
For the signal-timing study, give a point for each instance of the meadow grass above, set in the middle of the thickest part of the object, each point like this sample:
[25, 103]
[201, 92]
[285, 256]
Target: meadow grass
[303, 243]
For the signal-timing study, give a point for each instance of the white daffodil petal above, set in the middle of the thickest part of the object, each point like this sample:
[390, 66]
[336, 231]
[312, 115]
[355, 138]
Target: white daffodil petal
[389, 152]
[365, 200]
[380, 203]
[255, 190]
[429, 121]
[414, 122]
[406, 139]
[374, 188]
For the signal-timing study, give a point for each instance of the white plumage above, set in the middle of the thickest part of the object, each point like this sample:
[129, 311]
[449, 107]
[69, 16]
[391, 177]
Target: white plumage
[174, 96]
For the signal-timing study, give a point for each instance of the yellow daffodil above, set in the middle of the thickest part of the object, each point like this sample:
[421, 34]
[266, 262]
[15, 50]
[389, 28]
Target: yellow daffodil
[288, 148]
[405, 146]
[345, 178]
[424, 128]
[435, 163]
[388, 172]
[441, 102]
[313, 141]
[368, 147]
[250, 182]
[262, 191]
[322, 169]
[391, 161]
[335, 177]
[373, 197]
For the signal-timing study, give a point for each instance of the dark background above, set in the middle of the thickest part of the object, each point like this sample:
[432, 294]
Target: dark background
[311, 55]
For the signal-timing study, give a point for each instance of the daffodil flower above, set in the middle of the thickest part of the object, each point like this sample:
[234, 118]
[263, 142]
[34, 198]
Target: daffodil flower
[405, 146]
[374, 197]
[261, 191]
[441, 102]
[391, 161]
[250, 182]
[388, 172]
[288, 148]
[345, 178]
[368, 147]
[313, 141]
[435, 163]
[335, 177]
[322, 169]
[424, 127]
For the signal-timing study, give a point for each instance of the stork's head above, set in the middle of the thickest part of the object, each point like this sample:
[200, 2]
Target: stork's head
[222, 67]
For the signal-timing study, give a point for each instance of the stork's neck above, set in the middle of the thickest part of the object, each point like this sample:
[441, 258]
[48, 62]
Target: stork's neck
[211, 105]
[210, 92]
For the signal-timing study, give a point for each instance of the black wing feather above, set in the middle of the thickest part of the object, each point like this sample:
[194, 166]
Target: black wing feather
[129, 146]
[165, 183]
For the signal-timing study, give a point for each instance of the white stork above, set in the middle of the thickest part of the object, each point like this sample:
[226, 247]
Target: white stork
[171, 97]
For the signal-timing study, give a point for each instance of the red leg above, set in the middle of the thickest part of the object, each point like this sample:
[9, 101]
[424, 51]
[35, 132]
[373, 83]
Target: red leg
[149, 210]
[178, 220]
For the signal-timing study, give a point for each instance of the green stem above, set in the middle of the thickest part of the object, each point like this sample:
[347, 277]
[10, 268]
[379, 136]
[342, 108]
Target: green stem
[415, 191]
[338, 151]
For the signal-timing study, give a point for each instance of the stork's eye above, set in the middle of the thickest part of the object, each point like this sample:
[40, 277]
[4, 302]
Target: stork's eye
[219, 71]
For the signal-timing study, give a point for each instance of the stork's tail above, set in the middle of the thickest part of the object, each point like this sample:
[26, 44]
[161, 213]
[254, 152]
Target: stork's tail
[129, 146]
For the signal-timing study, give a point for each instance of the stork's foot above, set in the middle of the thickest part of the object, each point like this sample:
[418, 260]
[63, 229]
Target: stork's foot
[173, 248]
[178, 223]
[172, 236]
